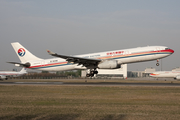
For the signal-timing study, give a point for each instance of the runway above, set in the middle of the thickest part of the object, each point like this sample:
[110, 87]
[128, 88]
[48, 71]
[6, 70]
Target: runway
[92, 84]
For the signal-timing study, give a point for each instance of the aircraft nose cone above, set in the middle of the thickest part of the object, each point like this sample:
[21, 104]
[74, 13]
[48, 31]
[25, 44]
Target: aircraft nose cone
[172, 51]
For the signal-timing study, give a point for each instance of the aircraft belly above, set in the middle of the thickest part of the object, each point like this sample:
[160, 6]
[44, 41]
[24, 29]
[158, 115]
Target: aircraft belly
[158, 56]
[138, 59]
[80, 67]
[132, 59]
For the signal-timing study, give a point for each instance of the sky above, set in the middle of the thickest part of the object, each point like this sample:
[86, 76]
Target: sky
[74, 27]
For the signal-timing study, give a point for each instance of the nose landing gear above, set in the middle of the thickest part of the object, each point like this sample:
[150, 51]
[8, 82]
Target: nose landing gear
[157, 64]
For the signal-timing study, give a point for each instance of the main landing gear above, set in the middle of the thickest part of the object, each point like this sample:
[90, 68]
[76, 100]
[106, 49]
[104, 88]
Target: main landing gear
[157, 64]
[91, 72]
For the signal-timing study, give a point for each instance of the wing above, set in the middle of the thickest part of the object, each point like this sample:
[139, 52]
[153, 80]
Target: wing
[87, 62]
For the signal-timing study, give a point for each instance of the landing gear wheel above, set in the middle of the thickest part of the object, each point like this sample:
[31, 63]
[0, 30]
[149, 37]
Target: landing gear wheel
[87, 75]
[157, 64]
[91, 73]
[95, 72]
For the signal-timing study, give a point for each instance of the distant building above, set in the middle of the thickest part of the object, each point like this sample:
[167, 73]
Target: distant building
[149, 70]
[144, 73]
[135, 73]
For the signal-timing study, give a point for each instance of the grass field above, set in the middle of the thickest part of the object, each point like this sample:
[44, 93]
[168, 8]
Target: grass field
[24, 102]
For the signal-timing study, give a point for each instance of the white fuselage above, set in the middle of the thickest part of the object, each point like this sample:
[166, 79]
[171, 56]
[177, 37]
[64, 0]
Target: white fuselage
[5, 74]
[124, 56]
[165, 74]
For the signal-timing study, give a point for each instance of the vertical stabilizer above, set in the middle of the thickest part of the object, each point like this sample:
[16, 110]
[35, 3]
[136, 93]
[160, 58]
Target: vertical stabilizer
[23, 54]
[23, 70]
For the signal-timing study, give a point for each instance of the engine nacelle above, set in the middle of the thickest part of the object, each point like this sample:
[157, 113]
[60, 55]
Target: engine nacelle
[177, 77]
[108, 64]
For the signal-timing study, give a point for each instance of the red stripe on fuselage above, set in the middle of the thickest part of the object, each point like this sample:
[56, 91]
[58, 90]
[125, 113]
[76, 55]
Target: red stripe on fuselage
[159, 51]
[169, 50]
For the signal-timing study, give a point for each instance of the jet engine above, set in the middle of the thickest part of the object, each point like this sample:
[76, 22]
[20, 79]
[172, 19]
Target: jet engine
[109, 64]
[177, 77]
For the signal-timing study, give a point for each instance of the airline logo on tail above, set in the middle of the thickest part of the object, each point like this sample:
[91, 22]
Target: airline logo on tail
[21, 52]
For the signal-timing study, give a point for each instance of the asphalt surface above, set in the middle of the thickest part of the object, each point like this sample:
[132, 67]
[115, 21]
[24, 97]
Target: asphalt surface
[92, 84]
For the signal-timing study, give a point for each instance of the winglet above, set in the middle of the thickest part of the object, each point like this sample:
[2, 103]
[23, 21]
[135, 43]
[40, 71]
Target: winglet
[51, 53]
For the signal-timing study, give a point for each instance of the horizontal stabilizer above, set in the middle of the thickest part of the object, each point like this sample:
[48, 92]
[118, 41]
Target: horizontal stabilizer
[21, 64]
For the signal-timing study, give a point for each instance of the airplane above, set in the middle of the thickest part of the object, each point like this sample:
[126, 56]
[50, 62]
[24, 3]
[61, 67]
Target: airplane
[90, 62]
[166, 74]
[6, 74]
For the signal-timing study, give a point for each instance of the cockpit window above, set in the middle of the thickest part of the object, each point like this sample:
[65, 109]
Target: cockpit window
[167, 48]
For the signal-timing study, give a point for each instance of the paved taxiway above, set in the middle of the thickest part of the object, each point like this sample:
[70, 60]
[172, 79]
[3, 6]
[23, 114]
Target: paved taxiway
[92, 84]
